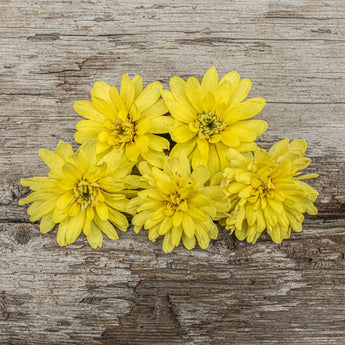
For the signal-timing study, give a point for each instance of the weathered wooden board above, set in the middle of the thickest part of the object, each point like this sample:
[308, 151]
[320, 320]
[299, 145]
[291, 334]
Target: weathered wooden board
[130, 292]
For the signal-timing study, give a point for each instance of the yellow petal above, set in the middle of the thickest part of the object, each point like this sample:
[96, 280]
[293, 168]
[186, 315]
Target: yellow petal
[88, 111]
[82, 137]
[75, 225]
[251, 212]
[149, 96]
[294, 223]
[241, 93]
[188, 226]
[95, 238]
[275, 205]
[180, 112]
[153, 233]
[143, 126]
[157, 143]
[132, 151]
[202, 237]
[213, 160]
[134, 113]
[194, 93]
[187, 147]
[177, 218]
[257, 126]
[138, 85]
[71, 171]
[87, 226]
[244, 110]
[236, 159]
[239, 133]
[162, 124]
[233, 77]
[198, 158]
[244, 177]
[157, 109]
[176, 234]
[43, 209]
[64, 150]
[101, 90]
[58, 216]
[61, 234]
[127, 91]
[107, 228]
[201, 174]
[35, 183]
[229, 140]
[167, 246]
[245, 147]
[298, 146]
[213, 231]
[140, 218]
[64, 200]
[102, 210]
[89, 127]
[117, 100]
[221, 151]
[166, 225]
[118, 219]
[142, 141]
[189, 243]
[104, 108]
[74, 209]
[224, 92]
[203, 147]
[52, 159]
[46, 224]
[210, 81]
[279, 148]
[155, 158]
[178, 91]
[182, 134]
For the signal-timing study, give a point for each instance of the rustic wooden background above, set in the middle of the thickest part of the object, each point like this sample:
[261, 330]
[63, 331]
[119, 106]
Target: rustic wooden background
[130, 292]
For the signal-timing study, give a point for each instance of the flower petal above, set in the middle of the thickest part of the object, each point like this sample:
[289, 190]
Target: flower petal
[194, 93]
[127, 91]
[244, 110]
[241, 93]
[210, 81]
[149, 96]
[162, 124]
[95, 238]
[88, 111]
[75, 225]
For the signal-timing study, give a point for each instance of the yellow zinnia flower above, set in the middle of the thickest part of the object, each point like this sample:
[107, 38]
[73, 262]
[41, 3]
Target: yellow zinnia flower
[176, 204]
[210, 118]
[126, 121]
[266, 191]
[81, 193]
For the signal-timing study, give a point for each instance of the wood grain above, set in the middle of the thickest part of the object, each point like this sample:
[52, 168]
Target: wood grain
[130, 292]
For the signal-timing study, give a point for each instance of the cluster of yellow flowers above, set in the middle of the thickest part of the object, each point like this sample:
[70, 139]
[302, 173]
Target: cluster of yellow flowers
[214, 171]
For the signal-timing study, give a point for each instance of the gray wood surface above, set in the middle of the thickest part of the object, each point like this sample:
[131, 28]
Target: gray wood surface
[130, 292]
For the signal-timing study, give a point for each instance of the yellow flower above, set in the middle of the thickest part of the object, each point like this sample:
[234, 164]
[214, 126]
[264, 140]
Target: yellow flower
[176, 204]
[266, 191]
[81, 193]
[210, 118]
[126, 121]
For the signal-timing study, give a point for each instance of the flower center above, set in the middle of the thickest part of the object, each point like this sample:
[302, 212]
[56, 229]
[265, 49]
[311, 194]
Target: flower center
[85, 193]
[208, 125]
[178, 200]
[262, 188]
[122, 133]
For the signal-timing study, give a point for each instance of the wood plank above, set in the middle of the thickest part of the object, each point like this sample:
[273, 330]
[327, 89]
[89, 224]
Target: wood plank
[130, 292]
